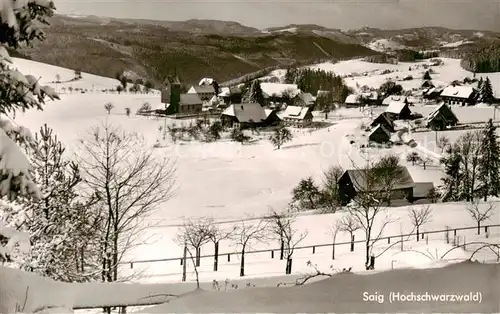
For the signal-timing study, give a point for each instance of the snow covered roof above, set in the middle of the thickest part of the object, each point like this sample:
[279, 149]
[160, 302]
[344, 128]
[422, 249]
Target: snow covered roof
[307, 98]
[206, 81]
[395, 107]
[277, 89]
[268, 112]
[458, 91]
[358, 178]
[224, 92]
[376, 129]
[204, 89]
[421, 189]
[352, 99]
[248, 112]
[387, 101]
[190, 99]
[295, 112]
[370, 95]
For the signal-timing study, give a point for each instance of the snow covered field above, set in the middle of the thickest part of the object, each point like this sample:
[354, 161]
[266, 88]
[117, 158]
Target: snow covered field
[230, 181]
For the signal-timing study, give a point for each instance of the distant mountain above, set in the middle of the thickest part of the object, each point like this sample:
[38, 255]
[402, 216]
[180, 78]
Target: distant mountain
[220, 49]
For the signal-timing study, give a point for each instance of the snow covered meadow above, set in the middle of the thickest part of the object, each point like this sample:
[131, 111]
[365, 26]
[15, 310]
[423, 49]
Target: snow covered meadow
[229, 182]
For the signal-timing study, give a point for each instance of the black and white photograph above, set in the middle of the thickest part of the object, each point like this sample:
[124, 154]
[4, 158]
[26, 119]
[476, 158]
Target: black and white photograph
[232, 156]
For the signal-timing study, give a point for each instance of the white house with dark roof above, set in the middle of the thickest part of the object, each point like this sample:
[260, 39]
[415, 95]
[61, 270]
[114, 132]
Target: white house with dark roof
[459, 95]
[297, 116]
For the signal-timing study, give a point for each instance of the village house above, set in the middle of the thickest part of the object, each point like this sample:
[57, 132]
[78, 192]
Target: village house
[432, 93]
[352, 101]
[297, 116]
[459, 95]
[231, 95]
[398, 111]
[205, 92]
[248, 115]
[384, 120]
[427, 84]
[379, 135]
[357, 181]
[190, 103]
[370, 98]
[441, 118]
[304, 100]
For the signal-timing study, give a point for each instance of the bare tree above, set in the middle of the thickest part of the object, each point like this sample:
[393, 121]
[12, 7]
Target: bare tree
[442, 143]
[246, 235]
[419, 217]
[330, 197]
[108, 106]
[425, 161]
[282, 228]
[480, 213]
[350, 225]
[129, 182]
[376, 183]
[216, 235]
[195, 233]
[468, 146]
[333, 232]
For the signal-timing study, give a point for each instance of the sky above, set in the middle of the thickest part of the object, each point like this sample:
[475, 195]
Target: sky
[343, 14]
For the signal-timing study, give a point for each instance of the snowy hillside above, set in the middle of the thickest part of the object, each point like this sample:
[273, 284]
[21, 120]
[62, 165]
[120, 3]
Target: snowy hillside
[358, 72]
[50, 74]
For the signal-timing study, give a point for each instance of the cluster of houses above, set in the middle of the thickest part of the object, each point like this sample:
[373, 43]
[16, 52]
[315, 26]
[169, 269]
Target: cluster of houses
[234, 106]
[399, 109]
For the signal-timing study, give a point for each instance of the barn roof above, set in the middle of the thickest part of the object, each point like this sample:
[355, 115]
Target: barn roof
[352, 99]
[190, 99]
[379, 128]
[295, 112]
[458, 91]
[396, 107]
[387, 101]
[360, 178]
[248, 112]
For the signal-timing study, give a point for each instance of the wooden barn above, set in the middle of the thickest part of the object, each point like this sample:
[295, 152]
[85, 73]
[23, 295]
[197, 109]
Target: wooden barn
[398, 111]
[379, 135]
[248, 115]
[385, 120]
[357, 181]
[441, 118]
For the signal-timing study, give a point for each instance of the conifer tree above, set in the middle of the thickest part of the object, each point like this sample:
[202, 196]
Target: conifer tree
[427, 76]
[490, 163]
[451, 180]
[486, 91]
[61, 228]
[20, 24]
[256, 93]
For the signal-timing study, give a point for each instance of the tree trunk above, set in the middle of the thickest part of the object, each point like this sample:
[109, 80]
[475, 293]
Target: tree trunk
[478, 227]
[282, 249]
[198, 258]
[418, 233]
[242, 264]
[184, 258]
[333, 250]
[216, 256]
[352, 242]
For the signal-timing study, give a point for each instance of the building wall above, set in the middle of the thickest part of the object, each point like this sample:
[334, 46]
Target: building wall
[190, 108]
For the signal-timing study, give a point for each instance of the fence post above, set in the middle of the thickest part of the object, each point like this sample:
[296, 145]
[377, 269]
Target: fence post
[272, 254]
[388, 240]
[455, 232]
[314, 249]
[228, 257]
[184, 263]
[181, 261]
[487, 233]
[465, 243]
[422, 236]
[426, 239]
[131, 265]
[352, 243]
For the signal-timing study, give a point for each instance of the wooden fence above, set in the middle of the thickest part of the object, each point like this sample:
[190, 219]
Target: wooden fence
[313, 247]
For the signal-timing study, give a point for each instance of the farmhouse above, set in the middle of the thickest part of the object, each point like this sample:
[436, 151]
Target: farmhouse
[304, 100]
[190, 103]
[432, 93]
[205, 92]
[248, 114]
[388, 100]
[441, 117]
[384, 120]
[398, 111]
[370, 98]
[357, 181]
[379, 135]
[459, 95]
[297, 116]
[352, 101]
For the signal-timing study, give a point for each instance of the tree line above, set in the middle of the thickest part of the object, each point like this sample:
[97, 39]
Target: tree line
[485, 59]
